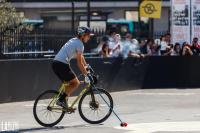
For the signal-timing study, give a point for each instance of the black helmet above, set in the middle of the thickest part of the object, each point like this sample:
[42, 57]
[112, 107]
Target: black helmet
[83, 30]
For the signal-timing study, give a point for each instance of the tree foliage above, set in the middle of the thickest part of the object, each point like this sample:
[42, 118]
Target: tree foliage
[8, 15]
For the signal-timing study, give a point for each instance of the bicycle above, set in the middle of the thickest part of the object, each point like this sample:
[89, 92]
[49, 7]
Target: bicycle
[88, 99]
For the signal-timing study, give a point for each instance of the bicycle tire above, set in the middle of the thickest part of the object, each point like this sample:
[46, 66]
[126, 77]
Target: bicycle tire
[35, 110]
[110, 101]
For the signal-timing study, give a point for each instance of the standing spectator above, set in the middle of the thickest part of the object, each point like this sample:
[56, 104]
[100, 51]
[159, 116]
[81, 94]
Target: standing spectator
[168, 38]
[157, 42]
[186, 50]
[165, 49]
[195, 46]
[126, 45]
[111, 40]
[117, 49]
[134, 50]
[143, 47]
[163, 45]
[136, 46]
[176, 50]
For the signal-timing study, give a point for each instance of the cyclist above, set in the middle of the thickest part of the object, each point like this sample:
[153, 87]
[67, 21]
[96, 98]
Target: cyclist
[61, 64]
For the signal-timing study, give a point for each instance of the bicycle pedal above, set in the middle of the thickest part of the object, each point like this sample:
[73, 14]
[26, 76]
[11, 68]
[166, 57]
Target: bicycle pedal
[71, 110]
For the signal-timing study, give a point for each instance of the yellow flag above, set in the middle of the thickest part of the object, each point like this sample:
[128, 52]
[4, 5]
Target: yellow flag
[150, 8]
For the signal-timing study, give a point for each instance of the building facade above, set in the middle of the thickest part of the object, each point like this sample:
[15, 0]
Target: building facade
[57, 14]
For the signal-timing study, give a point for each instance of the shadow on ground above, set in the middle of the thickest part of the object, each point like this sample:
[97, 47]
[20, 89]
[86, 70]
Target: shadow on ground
[43, 129]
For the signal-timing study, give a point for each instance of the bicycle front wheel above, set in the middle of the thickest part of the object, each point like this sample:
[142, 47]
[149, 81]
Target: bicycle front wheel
[98, 110]
[45, 110]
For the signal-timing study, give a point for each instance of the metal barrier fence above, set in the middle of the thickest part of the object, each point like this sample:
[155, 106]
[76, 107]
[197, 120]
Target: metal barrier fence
[31, 42]
[20, 43]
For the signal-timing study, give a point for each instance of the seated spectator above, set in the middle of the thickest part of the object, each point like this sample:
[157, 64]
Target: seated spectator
[176, 50]
[186, 49]
[195, 46]
[105, 52]
[155, 50]
[98, 49]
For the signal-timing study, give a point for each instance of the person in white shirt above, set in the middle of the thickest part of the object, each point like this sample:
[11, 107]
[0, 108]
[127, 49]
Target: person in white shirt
[117, 48]
[111, 40]
[134, 50]
[164, 47]
[126, 45]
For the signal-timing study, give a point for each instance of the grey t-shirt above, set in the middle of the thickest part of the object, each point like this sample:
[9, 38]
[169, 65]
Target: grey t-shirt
[69, 50]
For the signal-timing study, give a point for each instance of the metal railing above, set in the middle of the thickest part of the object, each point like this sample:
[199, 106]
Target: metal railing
[31, 44]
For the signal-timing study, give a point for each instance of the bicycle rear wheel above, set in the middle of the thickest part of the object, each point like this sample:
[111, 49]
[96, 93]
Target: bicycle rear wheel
[46, 114]
[95, 112]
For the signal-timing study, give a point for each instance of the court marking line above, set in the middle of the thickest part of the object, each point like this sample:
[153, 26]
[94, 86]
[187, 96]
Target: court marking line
[162, 126]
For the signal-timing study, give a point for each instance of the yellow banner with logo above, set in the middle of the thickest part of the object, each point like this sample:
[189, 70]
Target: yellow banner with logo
[150, 8]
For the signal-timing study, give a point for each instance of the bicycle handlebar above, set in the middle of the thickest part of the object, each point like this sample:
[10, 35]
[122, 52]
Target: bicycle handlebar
[90, 69]
[92, 72]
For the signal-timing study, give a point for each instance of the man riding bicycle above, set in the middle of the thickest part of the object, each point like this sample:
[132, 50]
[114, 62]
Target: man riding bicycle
[61, 64]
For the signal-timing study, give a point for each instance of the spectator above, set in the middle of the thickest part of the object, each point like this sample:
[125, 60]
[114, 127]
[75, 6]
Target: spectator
[146, 47]
[155, 49]
[143, 47]
[168, 38]
[195, 46]
[136, 46]
[111, 40]
[134, 50]
[126, 45]
[117, 49]
[157, 42]
[152, 48]
[176, 50]
[186, 49]
[165, 49]
[105, 52]
[98, 49]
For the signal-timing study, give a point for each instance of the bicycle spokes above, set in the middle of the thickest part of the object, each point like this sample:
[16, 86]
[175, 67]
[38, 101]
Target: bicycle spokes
[45, 113]
[93, 109]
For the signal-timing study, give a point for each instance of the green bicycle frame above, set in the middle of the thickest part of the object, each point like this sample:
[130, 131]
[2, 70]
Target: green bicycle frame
[62, 88]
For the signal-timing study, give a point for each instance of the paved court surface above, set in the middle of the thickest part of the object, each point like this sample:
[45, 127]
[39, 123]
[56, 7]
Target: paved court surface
[146, 111]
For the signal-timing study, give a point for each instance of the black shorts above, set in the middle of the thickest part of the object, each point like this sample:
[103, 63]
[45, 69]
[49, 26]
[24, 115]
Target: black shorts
[63, 71]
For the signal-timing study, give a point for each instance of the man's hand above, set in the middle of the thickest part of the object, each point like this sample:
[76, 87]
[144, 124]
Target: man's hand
[90, 78]
[89, 69]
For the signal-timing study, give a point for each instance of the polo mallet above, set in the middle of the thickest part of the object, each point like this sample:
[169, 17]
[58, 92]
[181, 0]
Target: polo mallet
[123, 124]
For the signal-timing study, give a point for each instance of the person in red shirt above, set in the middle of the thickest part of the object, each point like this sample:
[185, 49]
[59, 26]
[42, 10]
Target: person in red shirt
[195, 46]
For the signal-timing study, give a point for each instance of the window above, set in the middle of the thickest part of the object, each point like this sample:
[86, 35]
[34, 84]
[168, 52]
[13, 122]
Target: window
[140, 28]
